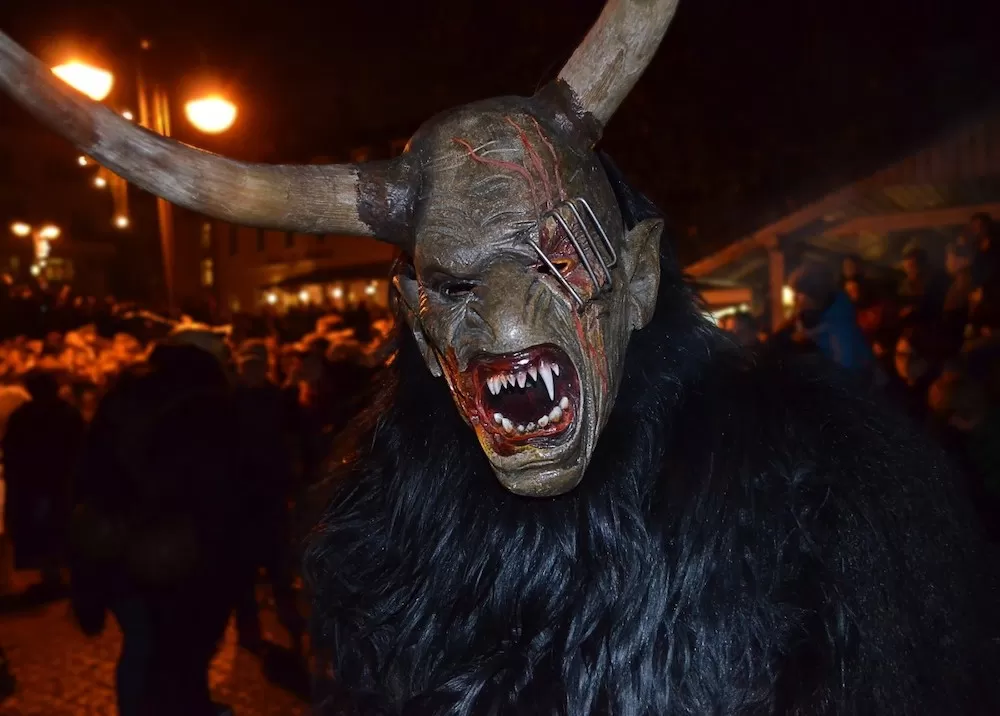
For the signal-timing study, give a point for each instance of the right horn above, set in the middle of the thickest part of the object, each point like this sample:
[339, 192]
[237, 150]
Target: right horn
[613, 56]
[371, 199]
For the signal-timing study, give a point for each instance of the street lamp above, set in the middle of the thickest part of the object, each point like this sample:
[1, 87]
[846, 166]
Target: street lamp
[41, 239]
[212, 115]
[49, 232]
[92, 81]
[19, 228]
[100, 182]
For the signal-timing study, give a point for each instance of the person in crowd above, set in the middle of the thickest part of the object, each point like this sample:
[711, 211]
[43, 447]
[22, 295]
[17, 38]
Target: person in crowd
[40, 448]
[921, 292]
[968, 426]
[983, 235]
[852, 268]
[264, 427]
[743, 328]
[161, 527]
[8, 684]
[914, 372]
[359, 318]
[955, 311]
[824, 314]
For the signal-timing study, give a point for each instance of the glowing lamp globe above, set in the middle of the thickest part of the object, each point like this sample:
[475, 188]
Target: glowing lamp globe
[212, 115]
[91, 81]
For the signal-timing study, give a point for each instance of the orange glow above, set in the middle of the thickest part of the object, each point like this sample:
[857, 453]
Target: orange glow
[49, 232]
[212, 115]
[91, 81]
[19, 228]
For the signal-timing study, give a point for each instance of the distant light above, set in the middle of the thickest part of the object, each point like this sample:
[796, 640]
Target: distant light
[19, 228]
[100, 182]
[370, 289]
[121, 222]
[82, 161]
[272, 298]
[91, 81]
[128, 115]
[212, 115]
[337, 292]
[49, 232]
[42, 249]
[35, 269]
[304, 296]
[787, 296]
[144, 44]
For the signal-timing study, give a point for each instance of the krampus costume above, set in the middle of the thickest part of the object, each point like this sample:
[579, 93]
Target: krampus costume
[675, 527]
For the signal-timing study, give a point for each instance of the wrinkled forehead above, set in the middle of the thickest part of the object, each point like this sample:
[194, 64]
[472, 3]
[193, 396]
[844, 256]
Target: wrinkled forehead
[490, 176]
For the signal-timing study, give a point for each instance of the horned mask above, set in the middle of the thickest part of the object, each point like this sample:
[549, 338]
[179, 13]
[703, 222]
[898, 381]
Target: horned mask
[523, 285]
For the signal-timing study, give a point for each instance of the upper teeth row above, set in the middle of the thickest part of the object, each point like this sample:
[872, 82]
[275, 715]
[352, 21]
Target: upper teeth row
[544, 369]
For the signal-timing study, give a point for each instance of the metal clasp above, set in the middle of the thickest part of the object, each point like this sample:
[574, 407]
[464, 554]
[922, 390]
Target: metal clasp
[580, 228]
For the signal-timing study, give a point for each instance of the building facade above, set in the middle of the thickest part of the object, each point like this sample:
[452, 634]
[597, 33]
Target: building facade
[241, 269]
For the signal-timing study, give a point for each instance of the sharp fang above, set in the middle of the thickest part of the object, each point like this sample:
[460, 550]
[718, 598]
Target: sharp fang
[529, 427]
[555, 368]
[533, 372]
[543, 421]
[546, 374]
[555, 415]
[564, 402]
[522, 378]
[509, 377]
[492, 383]
[520, 428]
[497, 418]
[507, 425]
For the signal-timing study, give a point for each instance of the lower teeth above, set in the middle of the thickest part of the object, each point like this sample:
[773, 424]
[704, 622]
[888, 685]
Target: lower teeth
[554, 416]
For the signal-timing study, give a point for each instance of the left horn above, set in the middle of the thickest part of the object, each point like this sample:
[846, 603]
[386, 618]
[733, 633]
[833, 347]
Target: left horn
[616, 51]
[371, 199]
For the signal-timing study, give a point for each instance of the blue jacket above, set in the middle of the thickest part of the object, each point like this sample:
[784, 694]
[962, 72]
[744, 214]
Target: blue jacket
[839, 338]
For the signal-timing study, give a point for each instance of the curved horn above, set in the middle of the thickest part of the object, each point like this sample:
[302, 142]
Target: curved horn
[610, 60]
[371, 199]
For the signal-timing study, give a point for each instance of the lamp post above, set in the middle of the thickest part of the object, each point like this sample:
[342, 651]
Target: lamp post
[41, 238]
[212, 114]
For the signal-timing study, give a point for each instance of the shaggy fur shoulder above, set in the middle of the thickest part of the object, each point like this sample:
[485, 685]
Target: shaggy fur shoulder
[753, 536]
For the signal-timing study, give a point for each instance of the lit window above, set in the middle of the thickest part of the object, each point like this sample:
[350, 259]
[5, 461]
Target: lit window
[206, 236]
[207, 272]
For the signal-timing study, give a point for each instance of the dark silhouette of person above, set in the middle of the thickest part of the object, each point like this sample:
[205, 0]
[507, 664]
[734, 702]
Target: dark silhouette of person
[160, 528]
[40, 449]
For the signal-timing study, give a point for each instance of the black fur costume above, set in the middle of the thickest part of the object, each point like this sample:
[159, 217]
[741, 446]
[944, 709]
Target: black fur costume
[753, 536]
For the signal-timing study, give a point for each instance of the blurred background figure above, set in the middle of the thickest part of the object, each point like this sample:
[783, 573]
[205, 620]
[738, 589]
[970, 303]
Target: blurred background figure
[40, 448]
[825, 316]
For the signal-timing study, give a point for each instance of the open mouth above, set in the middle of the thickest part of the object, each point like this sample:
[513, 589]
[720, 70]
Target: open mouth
[529, 396]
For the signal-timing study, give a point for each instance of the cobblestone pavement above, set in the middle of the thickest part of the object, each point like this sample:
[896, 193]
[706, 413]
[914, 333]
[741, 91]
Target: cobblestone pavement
[60, 672]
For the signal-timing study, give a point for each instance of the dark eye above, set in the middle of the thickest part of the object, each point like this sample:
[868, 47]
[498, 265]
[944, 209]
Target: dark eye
[456, 289]
[563, 266]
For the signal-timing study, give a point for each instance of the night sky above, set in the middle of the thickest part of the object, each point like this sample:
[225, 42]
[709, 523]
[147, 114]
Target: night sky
[750, 107]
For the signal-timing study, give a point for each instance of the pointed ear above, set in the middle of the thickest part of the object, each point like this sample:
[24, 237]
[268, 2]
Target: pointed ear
[641, 262]
[409, 294]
